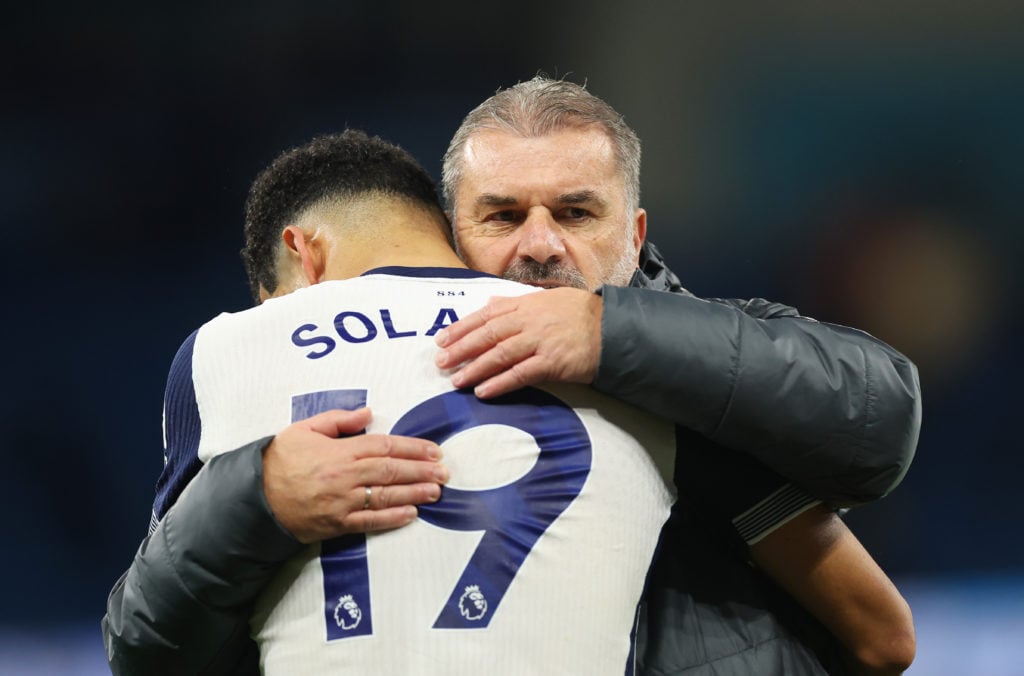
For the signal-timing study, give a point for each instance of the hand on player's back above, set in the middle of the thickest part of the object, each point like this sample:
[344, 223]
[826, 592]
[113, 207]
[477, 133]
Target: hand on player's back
[316, 483]
[552, 335]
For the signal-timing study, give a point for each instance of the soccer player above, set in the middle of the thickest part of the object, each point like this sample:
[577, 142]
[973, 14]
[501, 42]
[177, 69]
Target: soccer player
[534, 558]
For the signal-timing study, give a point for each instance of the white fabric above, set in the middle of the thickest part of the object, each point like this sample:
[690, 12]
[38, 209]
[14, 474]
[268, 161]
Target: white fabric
[570, 606]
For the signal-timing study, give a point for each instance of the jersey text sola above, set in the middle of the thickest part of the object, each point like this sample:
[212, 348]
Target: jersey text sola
[356, 327]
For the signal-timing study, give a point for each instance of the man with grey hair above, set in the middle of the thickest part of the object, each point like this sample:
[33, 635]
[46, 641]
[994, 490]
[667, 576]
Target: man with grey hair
[542, 185]
[555, 117]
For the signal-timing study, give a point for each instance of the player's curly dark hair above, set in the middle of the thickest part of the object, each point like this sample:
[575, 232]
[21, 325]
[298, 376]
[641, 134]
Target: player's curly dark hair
[333, 166]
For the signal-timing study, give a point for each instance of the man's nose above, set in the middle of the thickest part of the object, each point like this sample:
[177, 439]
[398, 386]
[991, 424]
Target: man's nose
[541, 237]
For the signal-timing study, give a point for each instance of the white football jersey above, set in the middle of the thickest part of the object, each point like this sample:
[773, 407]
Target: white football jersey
[535, 557]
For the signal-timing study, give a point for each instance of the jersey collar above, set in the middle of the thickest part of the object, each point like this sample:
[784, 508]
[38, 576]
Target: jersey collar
[450, 273]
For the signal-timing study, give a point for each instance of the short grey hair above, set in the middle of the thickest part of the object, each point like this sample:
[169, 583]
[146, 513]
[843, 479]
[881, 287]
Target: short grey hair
[536, 108]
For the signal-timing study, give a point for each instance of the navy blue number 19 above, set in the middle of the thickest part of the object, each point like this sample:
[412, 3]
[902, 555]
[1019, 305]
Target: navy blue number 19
[512, 517]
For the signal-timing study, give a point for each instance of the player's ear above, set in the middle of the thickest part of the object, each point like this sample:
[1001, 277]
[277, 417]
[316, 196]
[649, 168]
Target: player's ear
[306, 253]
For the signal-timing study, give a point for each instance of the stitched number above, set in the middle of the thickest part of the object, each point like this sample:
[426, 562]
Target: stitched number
[512, 517]
[343, 561]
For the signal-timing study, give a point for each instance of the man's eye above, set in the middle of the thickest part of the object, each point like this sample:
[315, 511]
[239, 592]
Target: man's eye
[575, 213]
[506, 216]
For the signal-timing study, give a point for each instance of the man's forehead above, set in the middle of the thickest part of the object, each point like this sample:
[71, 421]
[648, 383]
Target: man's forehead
[567, 141]
[574, 164]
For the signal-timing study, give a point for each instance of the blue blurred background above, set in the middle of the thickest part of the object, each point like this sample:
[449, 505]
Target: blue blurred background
[861, 161]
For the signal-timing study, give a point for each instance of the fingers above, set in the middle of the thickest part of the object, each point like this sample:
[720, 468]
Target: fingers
[391, 446]
[486, 343]
[390, 471]
[496, 306]
[523, 374]
[315, 484]
[391, 507]
[368, 521]
[494, 334]
[341, 423]
[498, 335]
[508, 354]
[387, 497]
[337, 422]
[553, 335]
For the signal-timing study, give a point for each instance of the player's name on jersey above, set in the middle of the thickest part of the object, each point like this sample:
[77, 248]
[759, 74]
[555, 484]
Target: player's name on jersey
[359, 327]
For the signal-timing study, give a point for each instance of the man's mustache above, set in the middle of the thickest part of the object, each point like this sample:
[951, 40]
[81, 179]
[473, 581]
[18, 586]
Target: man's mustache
[545, 274]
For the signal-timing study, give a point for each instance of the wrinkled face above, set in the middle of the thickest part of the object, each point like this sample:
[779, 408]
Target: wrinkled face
[548, 211]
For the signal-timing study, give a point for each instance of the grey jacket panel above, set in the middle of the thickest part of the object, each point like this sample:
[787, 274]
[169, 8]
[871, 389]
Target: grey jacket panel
[829, 408]
[183, 605]
[708, 613]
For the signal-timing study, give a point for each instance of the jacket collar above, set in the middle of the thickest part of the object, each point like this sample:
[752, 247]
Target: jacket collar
[653, 273]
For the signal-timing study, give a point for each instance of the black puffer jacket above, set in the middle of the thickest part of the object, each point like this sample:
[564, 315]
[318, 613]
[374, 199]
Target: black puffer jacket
[830, 408]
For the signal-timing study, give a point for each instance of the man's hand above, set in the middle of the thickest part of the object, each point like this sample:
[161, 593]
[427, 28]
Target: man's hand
[552, 335]
[316, 483]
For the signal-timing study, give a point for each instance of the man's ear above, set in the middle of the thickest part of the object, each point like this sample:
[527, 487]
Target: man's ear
[639, 229]
[307, 253]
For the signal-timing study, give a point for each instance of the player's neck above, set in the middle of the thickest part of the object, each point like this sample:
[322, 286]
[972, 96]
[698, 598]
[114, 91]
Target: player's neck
[415, 252]
[422, 254]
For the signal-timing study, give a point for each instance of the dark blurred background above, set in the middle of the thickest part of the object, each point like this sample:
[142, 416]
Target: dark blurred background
[861, 161]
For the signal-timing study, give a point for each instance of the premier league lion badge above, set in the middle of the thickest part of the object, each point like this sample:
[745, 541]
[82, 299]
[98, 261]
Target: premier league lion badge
[472, 603]
[347, 613]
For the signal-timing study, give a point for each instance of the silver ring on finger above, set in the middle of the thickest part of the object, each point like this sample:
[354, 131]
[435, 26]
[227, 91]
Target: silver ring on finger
[366, 498]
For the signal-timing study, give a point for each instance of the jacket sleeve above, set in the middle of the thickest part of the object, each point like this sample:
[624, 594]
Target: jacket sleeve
[183, 605]
[830, 408]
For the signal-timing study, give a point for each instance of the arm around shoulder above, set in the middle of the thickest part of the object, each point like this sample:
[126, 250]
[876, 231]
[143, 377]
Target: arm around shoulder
[828, 407]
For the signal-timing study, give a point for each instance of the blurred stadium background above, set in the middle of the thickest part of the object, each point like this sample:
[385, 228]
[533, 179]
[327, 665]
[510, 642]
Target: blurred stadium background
[861, 161]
